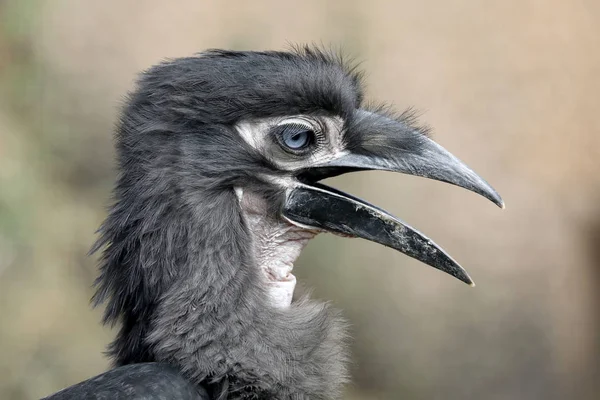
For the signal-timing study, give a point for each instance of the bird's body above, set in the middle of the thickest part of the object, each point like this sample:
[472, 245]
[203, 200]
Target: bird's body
[219, 158]
[147, 381]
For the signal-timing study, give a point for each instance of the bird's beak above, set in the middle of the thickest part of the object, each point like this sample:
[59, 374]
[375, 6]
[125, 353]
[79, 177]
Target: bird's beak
[375, 142]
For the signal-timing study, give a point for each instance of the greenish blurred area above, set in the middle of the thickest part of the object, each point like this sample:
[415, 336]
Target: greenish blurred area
[511, 87]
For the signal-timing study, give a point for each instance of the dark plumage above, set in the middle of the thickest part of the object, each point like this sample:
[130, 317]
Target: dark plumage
[148, 381]
[182, 268]
[177, 270]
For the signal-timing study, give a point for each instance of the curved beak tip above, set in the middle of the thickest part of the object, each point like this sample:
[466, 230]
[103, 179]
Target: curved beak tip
[487, 191]
[495, 197]
[466, 279]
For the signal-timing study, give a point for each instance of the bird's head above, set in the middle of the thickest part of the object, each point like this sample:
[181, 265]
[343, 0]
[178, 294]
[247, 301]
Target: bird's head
[262, 129]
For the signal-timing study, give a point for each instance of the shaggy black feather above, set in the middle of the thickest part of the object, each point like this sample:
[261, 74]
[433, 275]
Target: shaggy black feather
[177, 271]
[148, 381]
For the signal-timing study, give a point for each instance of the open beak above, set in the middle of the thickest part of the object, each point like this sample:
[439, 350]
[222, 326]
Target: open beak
[376, 142]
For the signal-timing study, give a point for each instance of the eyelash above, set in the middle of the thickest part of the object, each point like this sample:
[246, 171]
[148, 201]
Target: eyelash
[299, 126]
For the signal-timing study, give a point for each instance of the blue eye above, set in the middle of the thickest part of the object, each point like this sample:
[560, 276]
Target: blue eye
[295, 137]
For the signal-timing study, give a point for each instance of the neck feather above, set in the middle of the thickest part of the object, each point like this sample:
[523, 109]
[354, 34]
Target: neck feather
[183, 281]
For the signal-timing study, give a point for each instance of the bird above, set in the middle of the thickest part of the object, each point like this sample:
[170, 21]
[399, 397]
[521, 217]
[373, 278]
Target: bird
[220, 161]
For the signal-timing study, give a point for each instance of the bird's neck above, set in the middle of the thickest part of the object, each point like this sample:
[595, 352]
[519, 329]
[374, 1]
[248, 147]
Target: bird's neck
[193, 295]
[275, 245]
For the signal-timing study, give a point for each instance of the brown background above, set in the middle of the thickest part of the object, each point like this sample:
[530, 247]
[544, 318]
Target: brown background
[511, 87]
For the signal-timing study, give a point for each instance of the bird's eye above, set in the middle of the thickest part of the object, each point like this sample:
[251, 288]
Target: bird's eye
[295, 137]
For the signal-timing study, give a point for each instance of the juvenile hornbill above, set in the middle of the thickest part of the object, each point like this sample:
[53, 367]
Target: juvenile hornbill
[219, 157]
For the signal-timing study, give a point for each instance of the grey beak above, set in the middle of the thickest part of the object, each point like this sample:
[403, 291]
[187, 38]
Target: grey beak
[391, 146]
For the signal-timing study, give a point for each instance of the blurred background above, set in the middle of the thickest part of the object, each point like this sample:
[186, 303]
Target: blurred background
[511, 87]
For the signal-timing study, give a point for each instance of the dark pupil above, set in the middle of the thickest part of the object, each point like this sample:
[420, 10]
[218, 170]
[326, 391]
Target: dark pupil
[296, 137]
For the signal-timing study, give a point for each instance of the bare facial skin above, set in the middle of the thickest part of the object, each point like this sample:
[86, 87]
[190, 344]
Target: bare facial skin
[276, 244]
[328, 129]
